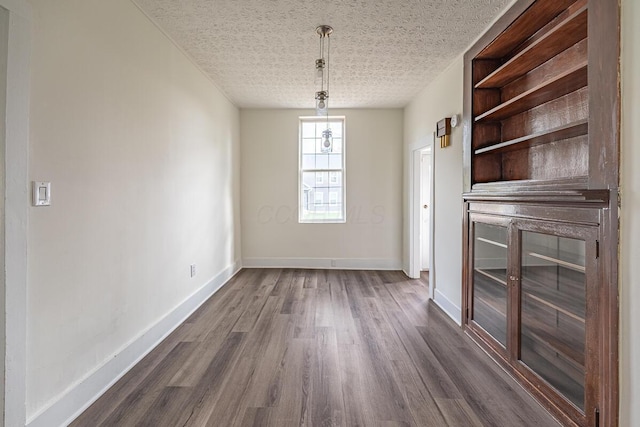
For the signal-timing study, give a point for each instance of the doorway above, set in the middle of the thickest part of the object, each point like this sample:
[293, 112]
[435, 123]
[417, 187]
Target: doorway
[425, 211]
[421, 220]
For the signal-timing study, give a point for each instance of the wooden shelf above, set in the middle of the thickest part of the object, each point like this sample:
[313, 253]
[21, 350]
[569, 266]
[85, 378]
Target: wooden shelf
[555, 307]
[492, 294]
[560, 85]
[566, 304]
[564, 35]
[556, 341]
[492, 242]
[563, 263]
[537, 16]
[543, 366]
[490, 307]
[491, 276]
[570, 130]
[492, 304]
[514, 186]
[566, 259]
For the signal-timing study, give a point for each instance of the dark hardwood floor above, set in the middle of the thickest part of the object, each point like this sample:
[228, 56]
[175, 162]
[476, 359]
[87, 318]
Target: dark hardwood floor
[317, 348]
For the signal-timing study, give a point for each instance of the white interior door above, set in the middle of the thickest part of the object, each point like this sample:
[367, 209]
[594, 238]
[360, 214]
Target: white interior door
[425, 208]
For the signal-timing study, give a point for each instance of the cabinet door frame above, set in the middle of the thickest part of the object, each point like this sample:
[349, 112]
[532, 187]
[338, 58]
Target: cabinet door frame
[488, 339]
[590, 235]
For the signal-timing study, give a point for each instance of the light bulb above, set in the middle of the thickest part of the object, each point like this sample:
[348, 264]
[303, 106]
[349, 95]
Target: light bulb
[327, 141]
[321, 107]
[321, 103]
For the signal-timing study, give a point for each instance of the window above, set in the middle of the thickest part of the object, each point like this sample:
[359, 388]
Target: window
[321, 178]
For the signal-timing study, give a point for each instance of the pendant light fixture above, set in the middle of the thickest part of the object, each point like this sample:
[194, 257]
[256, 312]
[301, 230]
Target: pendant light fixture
[322, 78]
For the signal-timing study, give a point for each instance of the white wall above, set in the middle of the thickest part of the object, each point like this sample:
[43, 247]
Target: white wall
[142, 151]
[630, 218]
[442, 98]
[271, 235]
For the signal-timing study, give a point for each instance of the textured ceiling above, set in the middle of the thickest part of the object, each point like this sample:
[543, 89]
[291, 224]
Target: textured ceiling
[262, 53]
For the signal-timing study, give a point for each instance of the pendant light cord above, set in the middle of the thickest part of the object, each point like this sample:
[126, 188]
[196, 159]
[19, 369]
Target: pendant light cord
[323, 65]
[327, 66]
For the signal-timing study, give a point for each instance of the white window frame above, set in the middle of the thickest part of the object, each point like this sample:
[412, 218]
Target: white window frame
[342, 169]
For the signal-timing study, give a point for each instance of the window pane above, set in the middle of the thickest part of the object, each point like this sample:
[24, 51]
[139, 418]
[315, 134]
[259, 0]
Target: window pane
[309, 145]
[335, 161]
[333, 197]
[335, 180]
[490, 280]
[319, 201]
[336, 129]
[337, 145]
[322, 161]
[308, 161]
[308, 129]
[553, 305]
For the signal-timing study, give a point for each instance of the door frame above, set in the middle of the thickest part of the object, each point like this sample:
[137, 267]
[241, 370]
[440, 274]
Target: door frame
[16, 193]
[415, 154]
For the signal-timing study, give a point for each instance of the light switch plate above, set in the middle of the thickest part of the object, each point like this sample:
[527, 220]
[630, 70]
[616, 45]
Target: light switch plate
[41, 192]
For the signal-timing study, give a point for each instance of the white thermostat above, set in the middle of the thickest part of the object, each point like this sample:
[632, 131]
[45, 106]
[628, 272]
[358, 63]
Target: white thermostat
[41, 193]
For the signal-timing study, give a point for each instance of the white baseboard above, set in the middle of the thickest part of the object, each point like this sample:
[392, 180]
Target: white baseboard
[82, 395]
[448, 307]
[324, 263]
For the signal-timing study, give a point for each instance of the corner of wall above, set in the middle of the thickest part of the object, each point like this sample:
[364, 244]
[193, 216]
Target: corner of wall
[16, 210]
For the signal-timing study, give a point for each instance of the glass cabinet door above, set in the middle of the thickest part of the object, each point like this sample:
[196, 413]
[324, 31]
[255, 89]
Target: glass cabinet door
[552, 311]
[490, 280]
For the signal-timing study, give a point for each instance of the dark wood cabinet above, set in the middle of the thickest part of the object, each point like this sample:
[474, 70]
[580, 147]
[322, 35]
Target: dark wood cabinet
[541, 148]
[532, 298]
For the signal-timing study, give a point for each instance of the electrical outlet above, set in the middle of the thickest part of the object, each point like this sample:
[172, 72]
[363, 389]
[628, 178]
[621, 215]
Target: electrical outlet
[193, 270]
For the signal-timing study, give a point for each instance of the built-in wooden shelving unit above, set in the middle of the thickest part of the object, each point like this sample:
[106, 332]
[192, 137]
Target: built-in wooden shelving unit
[541, 154]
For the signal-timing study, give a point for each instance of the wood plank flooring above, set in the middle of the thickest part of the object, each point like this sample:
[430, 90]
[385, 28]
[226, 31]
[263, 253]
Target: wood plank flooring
[283, 347]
